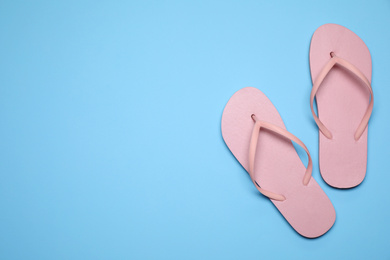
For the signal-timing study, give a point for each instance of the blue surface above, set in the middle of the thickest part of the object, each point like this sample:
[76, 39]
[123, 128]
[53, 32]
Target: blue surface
[110, 129]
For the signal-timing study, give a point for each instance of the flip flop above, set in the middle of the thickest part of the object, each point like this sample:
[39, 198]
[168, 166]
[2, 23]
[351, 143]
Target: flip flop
[340, 63]
[255, 133]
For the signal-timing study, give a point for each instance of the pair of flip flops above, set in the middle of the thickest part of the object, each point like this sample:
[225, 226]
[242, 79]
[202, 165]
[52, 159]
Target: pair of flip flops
[252, 128]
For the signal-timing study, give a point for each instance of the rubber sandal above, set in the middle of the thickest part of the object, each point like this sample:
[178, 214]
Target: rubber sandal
[340, 65]
[255, 133]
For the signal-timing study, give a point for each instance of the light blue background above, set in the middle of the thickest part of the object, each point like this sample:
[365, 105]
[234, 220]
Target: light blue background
[110, 139]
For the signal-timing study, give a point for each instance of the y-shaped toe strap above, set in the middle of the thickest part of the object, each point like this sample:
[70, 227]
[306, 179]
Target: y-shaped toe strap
[252, 152]
[320, 78]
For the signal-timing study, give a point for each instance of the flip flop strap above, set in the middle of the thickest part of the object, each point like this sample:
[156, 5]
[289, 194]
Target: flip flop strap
[320, 78]
[252, 154]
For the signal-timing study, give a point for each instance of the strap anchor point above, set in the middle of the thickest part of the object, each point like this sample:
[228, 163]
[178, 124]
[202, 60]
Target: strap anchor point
[253, 116]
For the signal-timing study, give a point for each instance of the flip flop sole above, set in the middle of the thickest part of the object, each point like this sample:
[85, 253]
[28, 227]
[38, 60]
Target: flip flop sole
[342, 100]
[278, 167]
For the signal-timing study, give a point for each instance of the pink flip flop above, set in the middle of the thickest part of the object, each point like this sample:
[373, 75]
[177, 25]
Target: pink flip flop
[255, 133]
[340, 63]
